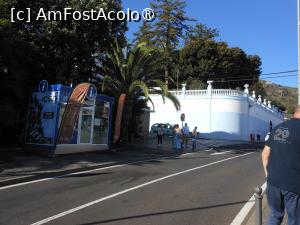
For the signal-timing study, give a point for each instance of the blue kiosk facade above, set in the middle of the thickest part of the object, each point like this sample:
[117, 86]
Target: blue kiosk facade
[91, 129]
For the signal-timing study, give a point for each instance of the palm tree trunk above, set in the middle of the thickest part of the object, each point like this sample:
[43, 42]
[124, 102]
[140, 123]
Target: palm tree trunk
[127, 122]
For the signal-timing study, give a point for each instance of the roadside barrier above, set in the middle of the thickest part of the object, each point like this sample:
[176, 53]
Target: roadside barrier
[258, 205]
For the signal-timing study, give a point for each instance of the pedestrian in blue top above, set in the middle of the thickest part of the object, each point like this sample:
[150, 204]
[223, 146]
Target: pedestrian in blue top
[281, 162]
[176, 137]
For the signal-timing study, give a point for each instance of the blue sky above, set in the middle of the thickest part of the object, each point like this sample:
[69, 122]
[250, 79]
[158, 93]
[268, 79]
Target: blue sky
[267, 28]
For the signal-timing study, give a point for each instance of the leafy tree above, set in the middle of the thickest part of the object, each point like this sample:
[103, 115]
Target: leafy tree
[167, 30]
[132, 72]
[195, 84]
[206, 59]
[64, 51]
[145, 34]
[259, 89]
[277, 103]
[201, 31]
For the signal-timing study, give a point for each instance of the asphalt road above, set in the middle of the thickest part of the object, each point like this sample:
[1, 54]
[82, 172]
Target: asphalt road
[199, 188]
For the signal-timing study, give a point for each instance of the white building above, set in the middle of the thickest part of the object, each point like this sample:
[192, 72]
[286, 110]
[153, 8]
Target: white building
[218, 113]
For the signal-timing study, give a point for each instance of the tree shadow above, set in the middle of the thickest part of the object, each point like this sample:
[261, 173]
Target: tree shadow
[85, 175]
[165, 213]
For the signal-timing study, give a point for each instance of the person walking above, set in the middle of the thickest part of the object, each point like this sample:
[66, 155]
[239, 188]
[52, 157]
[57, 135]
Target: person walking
[185, 133]
[160, 133]
[194, 138]
[281, 163]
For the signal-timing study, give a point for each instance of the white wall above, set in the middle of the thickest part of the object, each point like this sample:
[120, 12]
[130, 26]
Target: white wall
[217, 116]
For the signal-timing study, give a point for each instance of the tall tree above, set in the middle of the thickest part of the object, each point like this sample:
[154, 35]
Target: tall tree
[201, 31]
[145, 34]
[167, 30]
[132, 72]
[61, 51]
[210, 60]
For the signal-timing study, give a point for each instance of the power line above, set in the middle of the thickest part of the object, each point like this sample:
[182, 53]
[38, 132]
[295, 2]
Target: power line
[290, 75]
[290, 71]
[224, 81]
[247, 76]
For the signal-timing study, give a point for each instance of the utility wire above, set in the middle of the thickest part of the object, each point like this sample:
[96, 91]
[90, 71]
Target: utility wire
[224, 81]
[279, 72]
[262, 75]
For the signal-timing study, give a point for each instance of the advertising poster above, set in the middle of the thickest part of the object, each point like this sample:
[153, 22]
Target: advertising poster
[42, 118]
[71, 113]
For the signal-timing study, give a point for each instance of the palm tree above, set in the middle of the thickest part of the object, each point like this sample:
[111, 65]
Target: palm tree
[131, 71]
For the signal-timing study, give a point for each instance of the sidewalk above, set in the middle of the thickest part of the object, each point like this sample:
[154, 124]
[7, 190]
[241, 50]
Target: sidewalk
[17, 165]
[265, 213]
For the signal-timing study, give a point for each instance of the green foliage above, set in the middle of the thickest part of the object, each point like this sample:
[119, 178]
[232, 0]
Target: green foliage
[195, 84]
[206, 59]
[284, 98]
[61, 51]
[277, 103]
[145, 34]
[202, 58]
[201, 31]
[259, 89]
[131, 71]
[166, 31]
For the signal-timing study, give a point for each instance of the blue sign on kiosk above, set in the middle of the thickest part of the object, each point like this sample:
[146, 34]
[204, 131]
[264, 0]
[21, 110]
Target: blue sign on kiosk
[92, 128]
[92, 92]
[43, 86]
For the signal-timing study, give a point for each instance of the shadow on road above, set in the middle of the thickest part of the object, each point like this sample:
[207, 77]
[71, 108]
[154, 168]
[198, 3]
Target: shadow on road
[85, 175]
[164, 213]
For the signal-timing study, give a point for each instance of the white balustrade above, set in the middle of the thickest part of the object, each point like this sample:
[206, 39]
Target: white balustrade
[226, 92]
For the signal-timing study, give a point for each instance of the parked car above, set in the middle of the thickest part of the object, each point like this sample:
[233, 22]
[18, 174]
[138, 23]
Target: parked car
[167, 129]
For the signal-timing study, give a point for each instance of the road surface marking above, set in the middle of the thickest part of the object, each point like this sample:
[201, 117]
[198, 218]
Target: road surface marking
[189, 153]
[220, 153]
[131, 189]
[86, 171]
[240, 217]
[209, 150]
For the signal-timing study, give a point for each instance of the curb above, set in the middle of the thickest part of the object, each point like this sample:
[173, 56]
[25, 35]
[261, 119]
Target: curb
[51, 174]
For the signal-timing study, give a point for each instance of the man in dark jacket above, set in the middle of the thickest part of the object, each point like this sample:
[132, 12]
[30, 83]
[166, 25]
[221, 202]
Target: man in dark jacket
[281, 162]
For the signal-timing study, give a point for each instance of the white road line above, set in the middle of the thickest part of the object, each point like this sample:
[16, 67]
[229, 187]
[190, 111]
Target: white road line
[130, 189]
[240, 217]
[189, 153]
[82, 172]
[220, 153]
[209, 150]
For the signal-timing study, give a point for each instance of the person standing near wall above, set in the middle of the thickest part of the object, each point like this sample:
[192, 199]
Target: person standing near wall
[194, 138]
[258, 135]
[160, 133]
[176, 137]
[185, 133]
[270, 126]
[280, 158]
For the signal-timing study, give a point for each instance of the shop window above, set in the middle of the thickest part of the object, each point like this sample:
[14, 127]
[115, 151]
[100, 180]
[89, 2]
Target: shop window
[101, 121]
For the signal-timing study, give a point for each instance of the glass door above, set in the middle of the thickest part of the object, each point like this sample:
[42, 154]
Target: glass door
[85, 125]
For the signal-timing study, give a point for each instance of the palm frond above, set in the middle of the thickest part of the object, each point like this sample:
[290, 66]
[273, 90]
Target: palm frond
[139, 85]
[163, 87]
[174, 100]
[108, 82]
